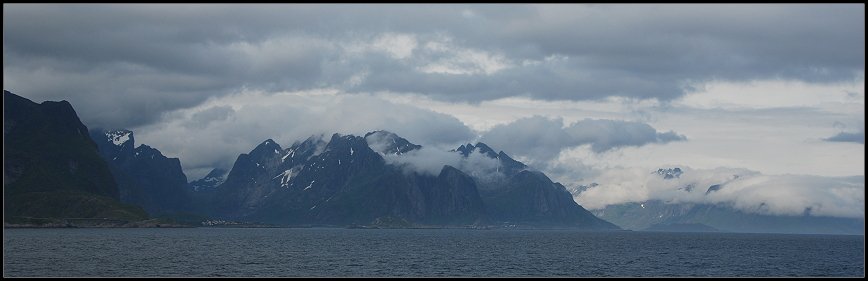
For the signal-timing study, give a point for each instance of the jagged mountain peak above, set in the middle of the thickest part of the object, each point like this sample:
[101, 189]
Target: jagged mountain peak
[209, 183]
[507, 165]
[670, 173]
[348, 141]
[348, 180]
[267, 147]
[385, 142]
[483, 148]
[114, 143]
[146, 150]
[302, 151]
[117, 137]
[217, 173]
[347, 146]
[313, 139]
[713, 188]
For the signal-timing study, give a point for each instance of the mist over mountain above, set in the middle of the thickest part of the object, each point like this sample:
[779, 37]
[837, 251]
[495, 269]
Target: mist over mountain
[208, 184]
[340, 181]
[691, 197]
[50, 169]
[355, 180]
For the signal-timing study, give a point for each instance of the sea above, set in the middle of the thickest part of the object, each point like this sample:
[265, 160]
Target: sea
[340, 252]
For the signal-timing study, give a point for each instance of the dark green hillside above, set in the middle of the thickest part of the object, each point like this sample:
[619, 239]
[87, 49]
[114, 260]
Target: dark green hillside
[51, 167]
[70, 204]
[45, 147]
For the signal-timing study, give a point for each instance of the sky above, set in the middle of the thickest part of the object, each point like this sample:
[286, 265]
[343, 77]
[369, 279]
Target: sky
[768, 99]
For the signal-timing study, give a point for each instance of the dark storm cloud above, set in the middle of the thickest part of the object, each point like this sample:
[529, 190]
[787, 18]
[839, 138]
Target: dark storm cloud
[127, 65]
[541, 139]
[858, 137]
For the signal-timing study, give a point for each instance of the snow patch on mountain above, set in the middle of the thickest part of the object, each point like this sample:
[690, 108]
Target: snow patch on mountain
[210, 182]
[118, 137]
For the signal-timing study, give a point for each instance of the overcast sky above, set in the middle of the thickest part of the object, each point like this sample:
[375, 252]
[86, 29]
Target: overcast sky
[602, 94]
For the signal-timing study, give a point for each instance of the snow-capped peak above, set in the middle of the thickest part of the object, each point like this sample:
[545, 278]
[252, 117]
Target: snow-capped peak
[118, 137]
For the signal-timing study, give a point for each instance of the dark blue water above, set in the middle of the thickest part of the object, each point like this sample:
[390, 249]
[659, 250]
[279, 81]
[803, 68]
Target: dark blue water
[208, 252]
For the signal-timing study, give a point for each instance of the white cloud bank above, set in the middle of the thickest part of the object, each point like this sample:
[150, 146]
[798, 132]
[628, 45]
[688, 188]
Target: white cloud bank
[743, 189]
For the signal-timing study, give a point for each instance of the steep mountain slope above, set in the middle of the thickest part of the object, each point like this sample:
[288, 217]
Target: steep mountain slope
[119, 144]
[517, 195]
[52, 168]
[208, 184]
[346, 180]
[148, 178]
[338, 182]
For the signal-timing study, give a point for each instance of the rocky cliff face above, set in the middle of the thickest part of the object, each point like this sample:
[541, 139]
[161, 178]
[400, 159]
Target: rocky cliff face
[52, 168]
[454, 196]
[342, 181]
[345, 181]
[146, 177]
[47, 147]
[517, 195]
[208, 184]
[249, 180]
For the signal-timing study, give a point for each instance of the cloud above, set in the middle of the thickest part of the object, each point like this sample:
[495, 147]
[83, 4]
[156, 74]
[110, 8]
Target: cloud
[604, 135]
[745, 190]
[430, 160]
[426, 160]
[481, 166]
[751, 85]
[217, 132]
[541, 139]
[670, 136]
[537, 137]
[202, 118]
[796, 195]
[127, 65]
[858, 137]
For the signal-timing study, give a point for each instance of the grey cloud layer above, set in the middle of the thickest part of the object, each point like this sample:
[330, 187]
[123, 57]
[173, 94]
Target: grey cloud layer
[858, 137]
[541, 139]
[114, 60]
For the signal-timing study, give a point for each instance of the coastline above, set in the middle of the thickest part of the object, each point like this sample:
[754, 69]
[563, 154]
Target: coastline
[94, 223]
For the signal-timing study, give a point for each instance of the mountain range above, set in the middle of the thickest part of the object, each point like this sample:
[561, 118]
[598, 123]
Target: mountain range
[54, 167]
[50, 158]
[345, 181]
